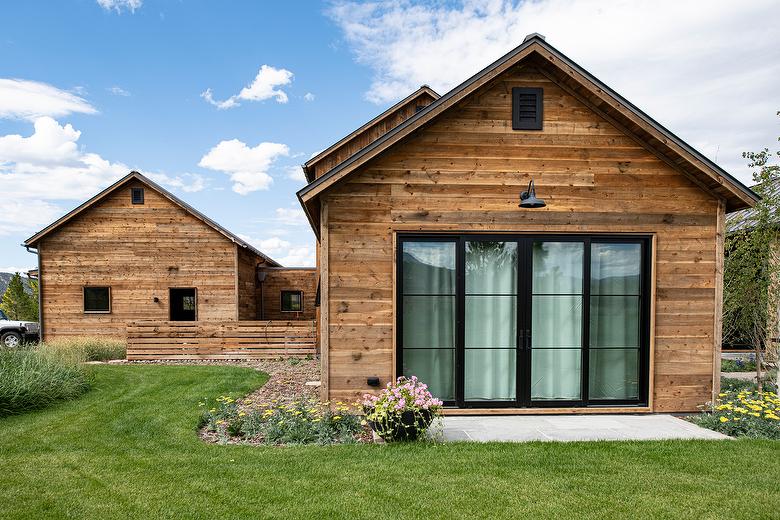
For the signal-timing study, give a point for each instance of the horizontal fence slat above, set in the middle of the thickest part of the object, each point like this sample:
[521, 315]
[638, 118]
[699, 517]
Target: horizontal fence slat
[170, 340]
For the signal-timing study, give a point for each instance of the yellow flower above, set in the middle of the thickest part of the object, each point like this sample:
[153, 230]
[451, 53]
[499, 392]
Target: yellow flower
[336, 417]
[241, 414]
[724, 419]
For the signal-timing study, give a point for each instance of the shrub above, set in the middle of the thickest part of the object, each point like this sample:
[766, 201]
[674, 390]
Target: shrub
[36, 378]
[738, 365]
[301, 422]
[736, 385]
[90, 348]
[402, 411]
[744, 413]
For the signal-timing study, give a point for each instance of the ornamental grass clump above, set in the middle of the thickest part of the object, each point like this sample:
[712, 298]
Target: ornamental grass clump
[33, 378]
[744, 413]
[402, 411]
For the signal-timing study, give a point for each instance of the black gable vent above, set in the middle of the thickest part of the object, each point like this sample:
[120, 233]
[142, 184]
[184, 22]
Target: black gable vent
[137, 195]
[526, 108]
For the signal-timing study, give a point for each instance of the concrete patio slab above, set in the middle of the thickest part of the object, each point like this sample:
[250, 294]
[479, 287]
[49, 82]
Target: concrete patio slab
[569, 428]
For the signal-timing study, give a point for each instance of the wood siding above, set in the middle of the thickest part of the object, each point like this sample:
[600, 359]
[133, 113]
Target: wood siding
[247, 275]
[220, 340]
[464, 171]
[140, 251]
[292, 279]
[371, 134]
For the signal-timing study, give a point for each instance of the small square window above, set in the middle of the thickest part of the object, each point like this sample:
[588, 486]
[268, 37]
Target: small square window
[137, 195]
[292, 301]
[526, 108]
[97, 299]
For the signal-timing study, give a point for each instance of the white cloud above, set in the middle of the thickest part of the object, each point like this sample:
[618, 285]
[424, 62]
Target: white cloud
[23, 216]
[17, 269]
[296, 173]
[291, 217]
[710, 75]
[284, 252]
[247, 167]
[26, 99]
[265, 86]
[118, 91]
[119, 5]
[49, 165]
[308, 96]
[188, 182]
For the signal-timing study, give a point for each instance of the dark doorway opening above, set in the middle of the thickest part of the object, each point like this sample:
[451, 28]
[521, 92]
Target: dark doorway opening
[183, 304]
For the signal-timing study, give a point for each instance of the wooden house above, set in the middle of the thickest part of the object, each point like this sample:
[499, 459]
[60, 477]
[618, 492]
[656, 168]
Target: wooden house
[137, 252]
[600, 291]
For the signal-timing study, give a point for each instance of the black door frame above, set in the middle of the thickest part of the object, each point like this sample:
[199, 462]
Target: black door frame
[171, 291]
[524, 302]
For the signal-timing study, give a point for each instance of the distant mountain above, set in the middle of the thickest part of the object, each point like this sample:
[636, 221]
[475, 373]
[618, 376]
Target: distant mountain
[6, 277]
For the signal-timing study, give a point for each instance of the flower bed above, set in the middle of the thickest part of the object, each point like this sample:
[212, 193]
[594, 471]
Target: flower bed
[738, 365]
[304, 421]
[744, 414]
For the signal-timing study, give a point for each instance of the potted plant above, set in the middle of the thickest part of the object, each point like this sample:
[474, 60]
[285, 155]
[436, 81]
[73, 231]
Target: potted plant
[403, 411]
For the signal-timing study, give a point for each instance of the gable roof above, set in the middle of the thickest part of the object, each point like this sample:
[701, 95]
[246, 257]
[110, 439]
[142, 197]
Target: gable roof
[423, 91]
[33, 240]
[582, 85]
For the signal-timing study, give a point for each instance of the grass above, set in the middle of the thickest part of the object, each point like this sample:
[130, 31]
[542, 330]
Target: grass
[129, 449]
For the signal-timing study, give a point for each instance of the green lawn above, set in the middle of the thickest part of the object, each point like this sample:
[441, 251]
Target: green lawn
[128, 449]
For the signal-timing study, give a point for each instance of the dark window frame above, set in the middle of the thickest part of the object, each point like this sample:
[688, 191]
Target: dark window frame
[170, 302]
[84, 299]
[517, 93]
[525, 242]
[290, 291]
[137, 195]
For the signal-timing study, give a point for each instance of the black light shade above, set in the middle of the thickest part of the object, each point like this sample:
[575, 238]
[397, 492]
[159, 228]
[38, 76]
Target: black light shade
[528, 198]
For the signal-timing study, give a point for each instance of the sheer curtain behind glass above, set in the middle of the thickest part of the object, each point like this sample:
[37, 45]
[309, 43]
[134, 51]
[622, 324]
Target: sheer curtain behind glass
[429, 315]
[556, 321]
[614, 320]
[490, 320]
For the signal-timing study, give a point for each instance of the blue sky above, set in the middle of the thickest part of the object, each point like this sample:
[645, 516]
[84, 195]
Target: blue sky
[92, 88]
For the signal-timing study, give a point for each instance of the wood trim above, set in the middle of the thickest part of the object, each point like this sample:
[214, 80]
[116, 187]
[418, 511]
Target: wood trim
[411, 97]
[566, 66]
[324, 304]
[651, 360]
[611, 120]
[546, 411]
[163, 192]
[394, 327]
[40, 294]
[404, 129]
[632, 116]
[235, 287]
[718, 322]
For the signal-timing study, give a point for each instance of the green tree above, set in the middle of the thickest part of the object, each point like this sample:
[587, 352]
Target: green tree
[751, 289]
[17, 303]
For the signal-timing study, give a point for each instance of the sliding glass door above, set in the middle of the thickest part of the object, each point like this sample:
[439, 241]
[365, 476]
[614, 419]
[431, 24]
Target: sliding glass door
[521, 320]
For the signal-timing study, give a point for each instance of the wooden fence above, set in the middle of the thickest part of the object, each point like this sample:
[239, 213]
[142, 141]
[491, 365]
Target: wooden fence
[220, 339]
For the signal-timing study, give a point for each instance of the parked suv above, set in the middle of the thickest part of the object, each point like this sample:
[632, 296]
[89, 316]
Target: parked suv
[13, 333]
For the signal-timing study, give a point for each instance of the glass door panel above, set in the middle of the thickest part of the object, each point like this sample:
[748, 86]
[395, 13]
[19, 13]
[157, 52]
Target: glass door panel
[429, 308]
[615, 304]
[490, 321]
[556, 320]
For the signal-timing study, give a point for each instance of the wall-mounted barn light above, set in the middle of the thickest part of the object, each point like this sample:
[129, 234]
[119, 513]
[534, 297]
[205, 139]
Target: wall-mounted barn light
[528, 198]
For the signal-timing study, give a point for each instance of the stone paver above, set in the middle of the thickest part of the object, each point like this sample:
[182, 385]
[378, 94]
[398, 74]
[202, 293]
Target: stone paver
[746, 376]
[569, 428]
